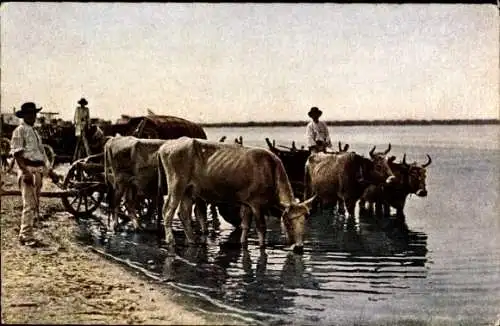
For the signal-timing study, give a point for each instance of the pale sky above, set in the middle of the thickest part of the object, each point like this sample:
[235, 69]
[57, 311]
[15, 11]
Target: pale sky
[253, 62]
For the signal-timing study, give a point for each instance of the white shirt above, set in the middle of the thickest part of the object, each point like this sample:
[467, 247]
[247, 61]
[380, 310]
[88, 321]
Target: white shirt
[81, 119]
[317, 131]
[25, 138]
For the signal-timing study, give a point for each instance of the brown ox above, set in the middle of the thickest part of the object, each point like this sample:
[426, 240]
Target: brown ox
[253, 178]
[411, 179]
[343, 177]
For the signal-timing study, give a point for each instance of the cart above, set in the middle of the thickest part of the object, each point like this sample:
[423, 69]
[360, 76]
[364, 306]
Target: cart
[82, 190]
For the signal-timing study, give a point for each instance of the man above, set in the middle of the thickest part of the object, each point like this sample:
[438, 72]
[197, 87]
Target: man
[82, 121]
[29, 153]
[318, 137]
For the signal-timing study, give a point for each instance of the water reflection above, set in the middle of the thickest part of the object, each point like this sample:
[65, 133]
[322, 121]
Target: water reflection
[369, 259]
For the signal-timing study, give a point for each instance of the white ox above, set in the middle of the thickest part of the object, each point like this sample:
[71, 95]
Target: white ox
[254, 178]
[131, 170]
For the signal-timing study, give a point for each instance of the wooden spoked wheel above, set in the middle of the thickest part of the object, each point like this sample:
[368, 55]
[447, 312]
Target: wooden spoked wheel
[4, 146]
[85, 202]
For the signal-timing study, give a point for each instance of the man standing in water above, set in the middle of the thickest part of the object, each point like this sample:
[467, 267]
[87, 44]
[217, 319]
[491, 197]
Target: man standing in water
[318, 137]
[82, 121]
[29, 153]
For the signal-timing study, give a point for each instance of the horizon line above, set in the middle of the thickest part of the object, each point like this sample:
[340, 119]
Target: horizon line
[359, 122]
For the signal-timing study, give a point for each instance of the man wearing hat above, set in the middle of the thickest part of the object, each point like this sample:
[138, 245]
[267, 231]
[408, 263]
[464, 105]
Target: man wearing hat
[318, 137]
[82, 121]
[29, 153]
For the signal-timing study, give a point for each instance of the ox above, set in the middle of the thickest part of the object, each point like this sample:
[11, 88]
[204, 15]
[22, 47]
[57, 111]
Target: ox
[131, 166]
[343, 177]
[253, 178]
[131, 171]
[411, 180]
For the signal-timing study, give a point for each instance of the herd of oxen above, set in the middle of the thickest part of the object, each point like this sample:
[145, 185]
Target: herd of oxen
[244, 183]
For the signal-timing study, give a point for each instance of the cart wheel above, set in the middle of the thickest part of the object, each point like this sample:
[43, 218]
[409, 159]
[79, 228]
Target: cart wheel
[4, 151]
[4, 146]
[82, 204]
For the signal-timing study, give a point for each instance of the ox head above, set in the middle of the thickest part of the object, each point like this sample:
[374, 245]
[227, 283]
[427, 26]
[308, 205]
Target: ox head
[416, 176]
[380, 171]
[293, 221]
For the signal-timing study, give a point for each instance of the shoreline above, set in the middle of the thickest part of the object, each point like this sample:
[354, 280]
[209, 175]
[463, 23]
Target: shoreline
[338, 123]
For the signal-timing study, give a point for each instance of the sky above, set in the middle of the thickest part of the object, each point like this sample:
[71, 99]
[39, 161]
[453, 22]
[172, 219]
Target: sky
[236, 62]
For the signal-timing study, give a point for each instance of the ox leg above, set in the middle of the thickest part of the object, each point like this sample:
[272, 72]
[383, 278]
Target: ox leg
[387, 210]
[260, 223]
[169, 207]
[340, 206]
[246, 221]
[200, 211]
[370, 209]
[379, 212]
[351, 206]
[115, 203]
[185, 211]
[214, 216]
[132, 211]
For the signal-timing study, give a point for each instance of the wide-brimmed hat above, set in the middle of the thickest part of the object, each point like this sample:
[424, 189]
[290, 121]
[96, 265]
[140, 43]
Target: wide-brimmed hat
[27, 107]
[314, 112]
[83, 101]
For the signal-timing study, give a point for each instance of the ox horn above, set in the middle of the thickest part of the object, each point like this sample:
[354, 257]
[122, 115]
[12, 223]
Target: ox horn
[372, 151]
[429, 161]
[340, 147]
[388, 149]
[346, 147]
[404, 160]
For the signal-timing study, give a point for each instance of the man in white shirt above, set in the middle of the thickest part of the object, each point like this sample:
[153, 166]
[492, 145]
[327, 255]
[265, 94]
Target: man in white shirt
[29, 153]
[318, 137]
[82, 122]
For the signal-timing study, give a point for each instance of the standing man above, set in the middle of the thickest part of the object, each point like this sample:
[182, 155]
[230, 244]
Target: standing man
[29, 153]
[82, 121]
[318, 137]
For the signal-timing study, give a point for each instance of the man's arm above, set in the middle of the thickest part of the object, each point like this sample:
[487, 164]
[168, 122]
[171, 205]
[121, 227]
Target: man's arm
[328, 141]
[17, 148]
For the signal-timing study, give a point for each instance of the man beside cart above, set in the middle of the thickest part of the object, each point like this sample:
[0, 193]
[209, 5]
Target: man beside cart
[29, 154]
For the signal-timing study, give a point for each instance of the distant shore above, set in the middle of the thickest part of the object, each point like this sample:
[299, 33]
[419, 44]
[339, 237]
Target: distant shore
[356, 123]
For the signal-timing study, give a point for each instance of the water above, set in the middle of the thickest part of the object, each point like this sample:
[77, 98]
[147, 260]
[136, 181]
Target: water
[442, 267]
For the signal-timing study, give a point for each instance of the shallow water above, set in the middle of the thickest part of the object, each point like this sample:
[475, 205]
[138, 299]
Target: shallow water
[442, 267]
